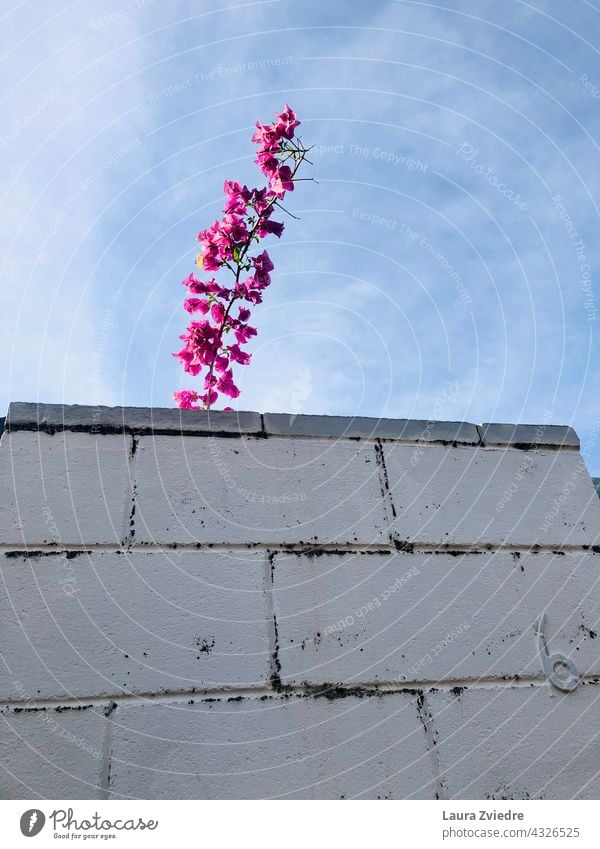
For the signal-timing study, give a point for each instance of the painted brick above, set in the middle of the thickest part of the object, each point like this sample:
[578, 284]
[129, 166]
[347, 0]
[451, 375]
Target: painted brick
[58, 417]
[339, 617]
[251, 749]
[359, 427]
[52, 754]
[65, 489]
[257, 490]
[558, 436]
[491, 495]
[518, 742]
[134, 622]
[164, 624]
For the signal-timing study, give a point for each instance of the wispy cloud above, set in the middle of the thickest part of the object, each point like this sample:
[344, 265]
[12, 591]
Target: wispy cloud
[397, 279]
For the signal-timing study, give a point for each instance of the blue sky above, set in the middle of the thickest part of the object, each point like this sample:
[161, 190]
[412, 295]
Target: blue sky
[444, 266]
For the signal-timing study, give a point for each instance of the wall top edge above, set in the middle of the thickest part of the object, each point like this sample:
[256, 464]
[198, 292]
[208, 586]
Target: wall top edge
[53, 418]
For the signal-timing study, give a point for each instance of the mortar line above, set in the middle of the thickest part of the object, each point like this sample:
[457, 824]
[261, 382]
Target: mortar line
[129, 523]
[107, 751]
[425, 717]
[34, 550]
[273, 633]
[454, 685]
[263, 433]
[384, 482]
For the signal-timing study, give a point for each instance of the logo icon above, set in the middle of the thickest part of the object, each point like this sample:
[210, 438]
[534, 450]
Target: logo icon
[32, 822]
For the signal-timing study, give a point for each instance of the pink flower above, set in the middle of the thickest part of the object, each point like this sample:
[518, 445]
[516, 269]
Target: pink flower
[188, 361]
[221, 363]
[211, 261]
[209, 398]
[234, 227]
[239, 356]
[267, 226]
[262, 263]
[226, 246]
[261, 200]
[249, 291]
[218, 312]
[281, 182]
[256, 283]
[234, 190]
[267, 163]
[202, 343]
[186, 399]
[196, 305]
[197, 287]
[253, 296]
[243, 332]
[287, 122]
[266, 135]
[227, 386]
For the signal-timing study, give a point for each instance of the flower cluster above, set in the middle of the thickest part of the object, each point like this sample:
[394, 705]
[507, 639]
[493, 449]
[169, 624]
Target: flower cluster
[225, 246]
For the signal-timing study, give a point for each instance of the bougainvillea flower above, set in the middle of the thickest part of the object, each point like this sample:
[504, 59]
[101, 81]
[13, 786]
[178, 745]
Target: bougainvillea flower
[225, 246]
[187, 399]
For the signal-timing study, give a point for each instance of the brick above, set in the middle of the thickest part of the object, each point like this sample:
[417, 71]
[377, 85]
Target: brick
[63, 489]
[357, 427]
[52, 754]
[518, 742]
[491, 495]
[59, 417]
[257, 491]
[556, 436]
[302, 748]
[340, 619]
[110, 623]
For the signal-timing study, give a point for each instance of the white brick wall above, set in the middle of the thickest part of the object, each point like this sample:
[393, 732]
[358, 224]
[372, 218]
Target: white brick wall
[247, 606]
[254, 490]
